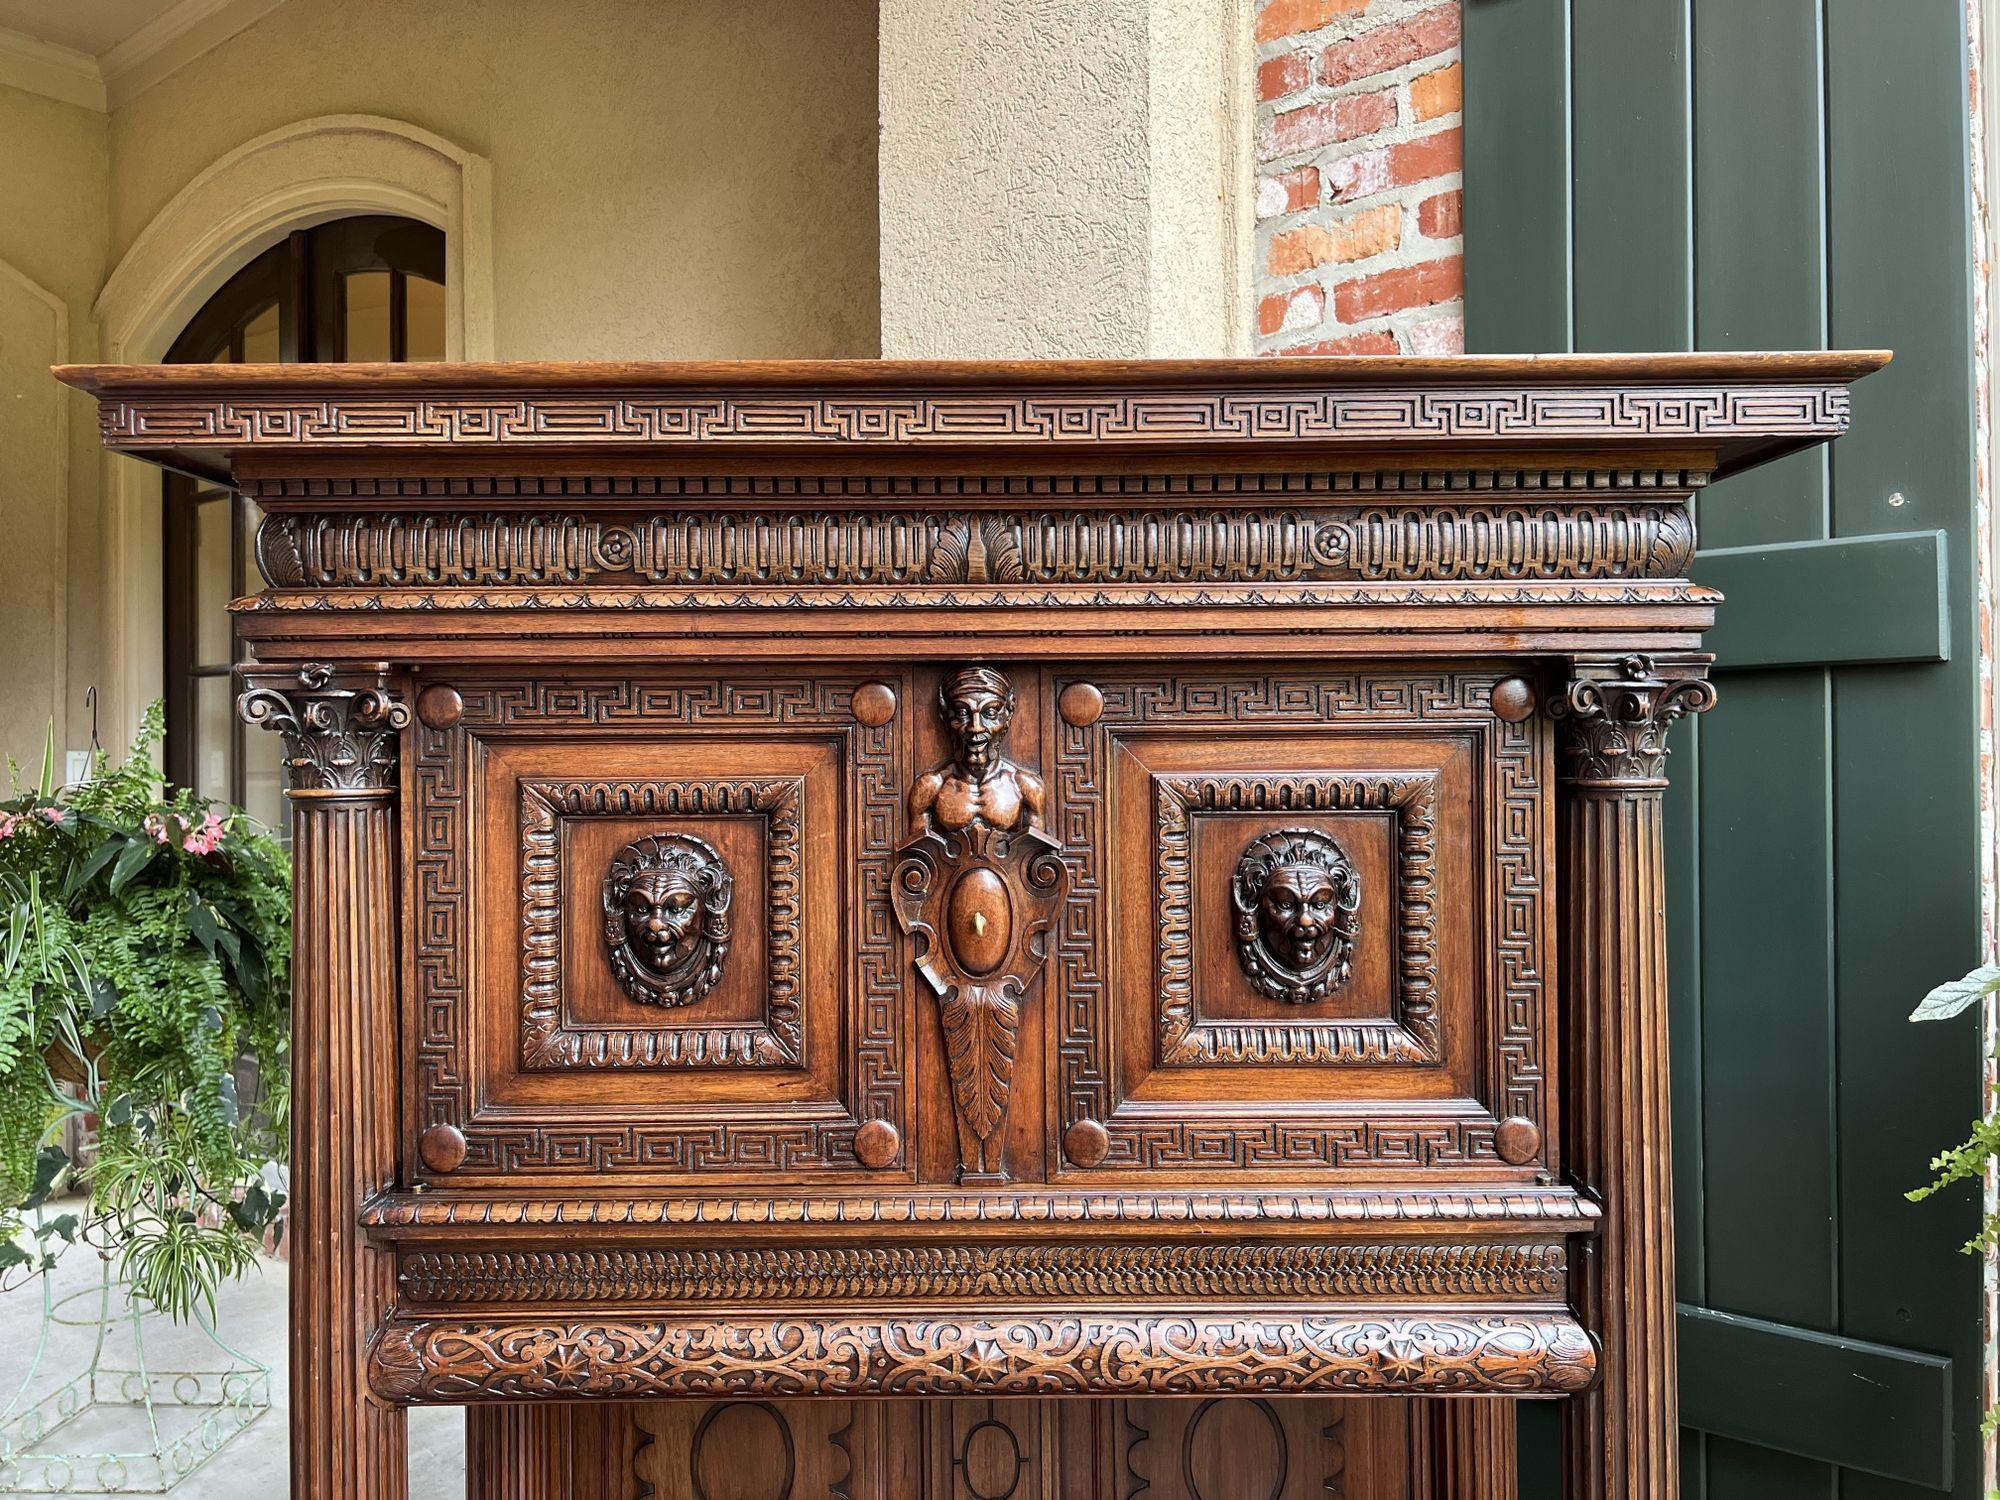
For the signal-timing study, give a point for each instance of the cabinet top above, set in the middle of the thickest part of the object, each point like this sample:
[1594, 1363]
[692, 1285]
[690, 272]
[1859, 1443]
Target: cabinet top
[1719, 411]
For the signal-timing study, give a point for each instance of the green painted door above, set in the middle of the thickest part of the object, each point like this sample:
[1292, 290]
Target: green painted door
[1788, 174]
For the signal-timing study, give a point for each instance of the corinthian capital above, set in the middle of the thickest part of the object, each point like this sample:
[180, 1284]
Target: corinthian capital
[1615, 716]
[341, 731]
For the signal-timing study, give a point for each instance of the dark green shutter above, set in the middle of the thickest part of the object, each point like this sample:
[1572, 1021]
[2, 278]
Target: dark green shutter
[1783, 174]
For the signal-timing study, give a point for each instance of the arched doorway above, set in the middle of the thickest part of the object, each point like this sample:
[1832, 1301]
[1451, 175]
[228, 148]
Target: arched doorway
[370, 287]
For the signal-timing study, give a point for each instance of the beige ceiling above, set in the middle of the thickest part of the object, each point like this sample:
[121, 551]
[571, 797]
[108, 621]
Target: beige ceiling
[92, 26]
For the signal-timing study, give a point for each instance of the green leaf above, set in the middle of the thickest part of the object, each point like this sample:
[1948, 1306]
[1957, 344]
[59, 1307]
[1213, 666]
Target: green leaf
[62, 1227]
[48, 784]
[131, 860]
[81, 875]
[119, 1110]
[50, 1163]
[1948, 1000]
[202, 923]
[12, 1255]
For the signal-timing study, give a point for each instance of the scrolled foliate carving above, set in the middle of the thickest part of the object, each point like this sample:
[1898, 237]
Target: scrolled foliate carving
[1297, 902]
[1007, 1354]
[1615, 717]
[666, 918]
[340, 734]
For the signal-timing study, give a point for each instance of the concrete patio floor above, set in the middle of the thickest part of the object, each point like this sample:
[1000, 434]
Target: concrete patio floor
[251, 1465]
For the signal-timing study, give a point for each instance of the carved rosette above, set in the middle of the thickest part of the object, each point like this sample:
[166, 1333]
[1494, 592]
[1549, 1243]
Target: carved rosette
[1616, 716]
[341, 733]
[977, 886]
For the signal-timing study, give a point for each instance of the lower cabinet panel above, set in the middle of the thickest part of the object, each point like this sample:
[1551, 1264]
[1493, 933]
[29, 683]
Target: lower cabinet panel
[1232, 1448]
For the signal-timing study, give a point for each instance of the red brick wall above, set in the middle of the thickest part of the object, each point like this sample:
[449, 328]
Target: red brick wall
[1359, 173]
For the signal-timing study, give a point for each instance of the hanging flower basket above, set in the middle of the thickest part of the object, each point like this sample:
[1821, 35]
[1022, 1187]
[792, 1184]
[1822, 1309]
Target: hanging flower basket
[144, 945]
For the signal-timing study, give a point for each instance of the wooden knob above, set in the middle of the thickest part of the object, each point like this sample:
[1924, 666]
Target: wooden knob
[1086, 1143]
[874, 703]
[1513, 699]
[442, 1148]
[439, 706]
[1517, 1140]
[1080, 704]
[877, 1144]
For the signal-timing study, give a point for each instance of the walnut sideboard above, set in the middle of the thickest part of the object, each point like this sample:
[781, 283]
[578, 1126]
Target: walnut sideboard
[989, 884]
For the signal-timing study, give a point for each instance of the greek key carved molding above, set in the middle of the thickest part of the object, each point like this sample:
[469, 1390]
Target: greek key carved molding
[1307, 702]
[1449, 541]
[1520, 1353]
[341, 734]
[443, 869]
[548, 1040]
[1051, 420]
[1615, 717]
[987, 1273]
[1413, 1036]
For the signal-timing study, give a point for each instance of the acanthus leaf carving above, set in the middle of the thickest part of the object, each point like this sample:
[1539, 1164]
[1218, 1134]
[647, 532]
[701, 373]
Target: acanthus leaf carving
[341, 733]
[1616, 715]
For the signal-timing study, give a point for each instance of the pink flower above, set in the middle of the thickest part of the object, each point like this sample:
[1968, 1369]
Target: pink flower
[204, 839]
[53, 814]
[157, 827]
[7, 822]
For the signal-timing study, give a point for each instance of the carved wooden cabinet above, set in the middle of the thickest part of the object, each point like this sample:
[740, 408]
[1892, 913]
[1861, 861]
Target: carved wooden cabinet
[985, 884]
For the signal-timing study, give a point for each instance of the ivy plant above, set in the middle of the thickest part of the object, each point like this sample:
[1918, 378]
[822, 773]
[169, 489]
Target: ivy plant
[144, 950]
[1970, 1160]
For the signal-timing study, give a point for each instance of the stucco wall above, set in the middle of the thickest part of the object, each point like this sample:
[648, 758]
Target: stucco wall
[684, 179]
[52, 255]
[1061, 177]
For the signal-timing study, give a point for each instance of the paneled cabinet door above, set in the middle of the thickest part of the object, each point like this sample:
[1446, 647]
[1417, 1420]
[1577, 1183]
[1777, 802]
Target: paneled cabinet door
[650, 938]
[1308, 922]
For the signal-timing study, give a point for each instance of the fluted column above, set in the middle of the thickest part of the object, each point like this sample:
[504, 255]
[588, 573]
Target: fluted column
[1463, 1449]
[341, 739]
[520, 1452]
[1621, 1441]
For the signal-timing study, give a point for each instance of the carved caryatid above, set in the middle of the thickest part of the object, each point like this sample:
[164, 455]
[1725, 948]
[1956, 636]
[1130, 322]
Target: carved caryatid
[341, 735]
[1297, 902]
[977, 885]
[666, 918]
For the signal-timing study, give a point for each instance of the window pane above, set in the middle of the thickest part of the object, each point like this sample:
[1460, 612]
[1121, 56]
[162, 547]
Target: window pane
[365, 307]
[212, 556]
[423, 318]
[212, 709]
[260, 337]
[263, 778]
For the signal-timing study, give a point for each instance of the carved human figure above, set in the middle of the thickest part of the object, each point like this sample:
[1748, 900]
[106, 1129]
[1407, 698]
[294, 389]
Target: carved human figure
[978, 786]
[666, 918]
[1298, 911]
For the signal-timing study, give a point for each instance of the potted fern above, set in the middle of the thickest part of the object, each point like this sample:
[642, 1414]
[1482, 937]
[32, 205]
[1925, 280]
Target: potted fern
[144, 944]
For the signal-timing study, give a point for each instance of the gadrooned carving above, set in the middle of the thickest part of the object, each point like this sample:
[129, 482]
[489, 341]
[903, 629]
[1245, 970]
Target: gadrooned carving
[1297, 899]
[666, 918]
[977, 885]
